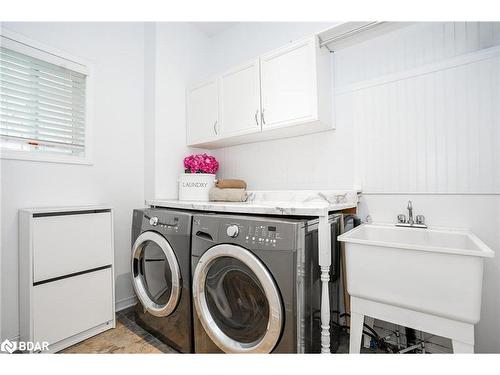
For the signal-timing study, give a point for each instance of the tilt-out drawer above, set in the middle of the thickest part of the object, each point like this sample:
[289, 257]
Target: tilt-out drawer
[68, 244]
[66, 307]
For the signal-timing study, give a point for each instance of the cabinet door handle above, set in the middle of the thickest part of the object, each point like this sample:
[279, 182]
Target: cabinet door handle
[215, 127]
[262, 117]
[256, 119]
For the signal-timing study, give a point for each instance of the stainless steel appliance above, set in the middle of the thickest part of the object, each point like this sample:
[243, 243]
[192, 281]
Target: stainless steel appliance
[161, 275]
[256, 283]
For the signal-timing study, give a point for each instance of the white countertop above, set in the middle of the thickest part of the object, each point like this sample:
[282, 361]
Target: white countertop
[286, 202]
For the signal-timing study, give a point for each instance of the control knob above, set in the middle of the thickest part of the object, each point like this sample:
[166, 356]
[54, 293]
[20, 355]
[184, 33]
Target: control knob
[233, 231]
[153, 221]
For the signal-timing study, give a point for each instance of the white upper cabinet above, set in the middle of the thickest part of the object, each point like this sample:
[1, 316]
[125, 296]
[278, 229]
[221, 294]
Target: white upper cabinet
[283, 93]
[289, 85]
[202, 113]
[239, 103]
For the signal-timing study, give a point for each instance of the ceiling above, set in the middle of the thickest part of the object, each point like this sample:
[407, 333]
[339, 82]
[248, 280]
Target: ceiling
[212, 28]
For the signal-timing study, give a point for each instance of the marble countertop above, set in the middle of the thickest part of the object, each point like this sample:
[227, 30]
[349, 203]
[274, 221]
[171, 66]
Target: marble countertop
[286, 202]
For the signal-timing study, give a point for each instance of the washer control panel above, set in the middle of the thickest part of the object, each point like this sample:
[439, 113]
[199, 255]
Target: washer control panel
[266, 235]
[258, 234]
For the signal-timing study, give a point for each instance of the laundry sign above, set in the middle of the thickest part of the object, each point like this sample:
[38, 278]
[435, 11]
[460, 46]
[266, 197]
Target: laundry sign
[195, 186]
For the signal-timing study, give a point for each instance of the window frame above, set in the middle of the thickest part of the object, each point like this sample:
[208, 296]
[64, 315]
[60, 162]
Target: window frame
[31, 47]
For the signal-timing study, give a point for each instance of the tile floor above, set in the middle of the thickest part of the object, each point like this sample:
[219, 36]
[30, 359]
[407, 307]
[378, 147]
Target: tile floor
[126, 338]
[129, 338]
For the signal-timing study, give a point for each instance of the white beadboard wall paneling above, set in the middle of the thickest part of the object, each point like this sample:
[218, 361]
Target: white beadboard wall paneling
[412, 47]
[281, 164]
[445, 64]
[433, 128]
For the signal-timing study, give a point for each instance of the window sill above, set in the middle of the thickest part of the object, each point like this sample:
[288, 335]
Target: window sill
[41, 157]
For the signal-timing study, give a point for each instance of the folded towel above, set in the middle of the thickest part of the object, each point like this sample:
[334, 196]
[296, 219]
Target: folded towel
[227, 195]
[231, 184]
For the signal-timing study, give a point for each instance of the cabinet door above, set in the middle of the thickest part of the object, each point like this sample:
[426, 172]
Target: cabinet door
[239, 100]
[202, 112]
[288, 84]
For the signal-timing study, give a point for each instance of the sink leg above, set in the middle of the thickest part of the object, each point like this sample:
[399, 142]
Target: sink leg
[462, 347]
[356, 332]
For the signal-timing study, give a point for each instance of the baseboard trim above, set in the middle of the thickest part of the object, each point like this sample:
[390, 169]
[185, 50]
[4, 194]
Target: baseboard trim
[125, 303]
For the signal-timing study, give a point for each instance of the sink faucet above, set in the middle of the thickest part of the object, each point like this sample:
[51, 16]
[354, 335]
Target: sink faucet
[418, 222]
[410, 213]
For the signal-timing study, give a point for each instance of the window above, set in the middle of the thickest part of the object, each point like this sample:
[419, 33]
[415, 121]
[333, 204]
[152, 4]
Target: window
[43, 104]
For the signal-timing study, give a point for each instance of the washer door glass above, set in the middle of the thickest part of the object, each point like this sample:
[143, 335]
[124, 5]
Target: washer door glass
[237, 300]
[155, 274]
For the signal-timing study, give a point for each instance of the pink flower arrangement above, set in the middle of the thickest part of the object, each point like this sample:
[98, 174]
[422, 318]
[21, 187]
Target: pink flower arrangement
[200, 163]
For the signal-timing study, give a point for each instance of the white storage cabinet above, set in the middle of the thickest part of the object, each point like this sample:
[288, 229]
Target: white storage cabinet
[283, 93]
[66, 268]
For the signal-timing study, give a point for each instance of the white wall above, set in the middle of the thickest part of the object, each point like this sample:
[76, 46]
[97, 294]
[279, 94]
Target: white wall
[407, 122]
[117, 175]
[177, 57]
[149, 109]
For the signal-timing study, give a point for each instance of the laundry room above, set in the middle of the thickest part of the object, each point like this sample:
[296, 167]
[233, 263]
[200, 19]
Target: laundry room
[265, 184]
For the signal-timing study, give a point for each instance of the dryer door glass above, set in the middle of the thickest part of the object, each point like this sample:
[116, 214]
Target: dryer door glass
[237, 300]
[156, 275]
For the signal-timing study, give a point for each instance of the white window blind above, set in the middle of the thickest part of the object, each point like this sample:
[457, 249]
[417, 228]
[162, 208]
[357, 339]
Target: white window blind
[42, 106]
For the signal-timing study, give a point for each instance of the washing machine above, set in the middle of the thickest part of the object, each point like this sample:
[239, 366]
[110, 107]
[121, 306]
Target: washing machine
[161, 275]
[256, 283]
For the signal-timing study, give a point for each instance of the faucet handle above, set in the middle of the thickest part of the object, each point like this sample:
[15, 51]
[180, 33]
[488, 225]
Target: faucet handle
[420, 219]
[401, 218]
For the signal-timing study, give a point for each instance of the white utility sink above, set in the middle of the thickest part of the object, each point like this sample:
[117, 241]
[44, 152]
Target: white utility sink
[426, 279]
[439, 272]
